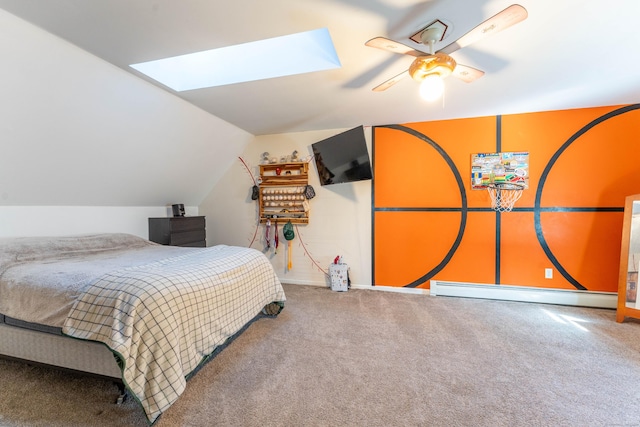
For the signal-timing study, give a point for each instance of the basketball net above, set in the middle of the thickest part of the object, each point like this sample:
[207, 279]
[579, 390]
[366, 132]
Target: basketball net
[504, 195]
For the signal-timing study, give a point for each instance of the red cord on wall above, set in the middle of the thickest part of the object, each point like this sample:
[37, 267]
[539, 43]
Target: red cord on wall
[307, 252]
[255, 233]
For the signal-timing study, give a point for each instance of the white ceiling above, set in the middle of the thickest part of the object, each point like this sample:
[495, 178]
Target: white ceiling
[566, 54]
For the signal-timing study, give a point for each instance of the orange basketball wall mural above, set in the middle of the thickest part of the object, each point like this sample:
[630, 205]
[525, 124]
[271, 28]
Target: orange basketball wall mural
[429, 224]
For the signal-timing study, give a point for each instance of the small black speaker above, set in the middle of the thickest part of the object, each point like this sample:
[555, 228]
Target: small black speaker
[178, 210]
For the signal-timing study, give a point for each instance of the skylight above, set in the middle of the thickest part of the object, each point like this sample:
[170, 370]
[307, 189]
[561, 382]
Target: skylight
[264, 59]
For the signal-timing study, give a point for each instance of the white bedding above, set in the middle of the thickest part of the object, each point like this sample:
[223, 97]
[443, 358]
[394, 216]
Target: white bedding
[163, 312]
[41, 277]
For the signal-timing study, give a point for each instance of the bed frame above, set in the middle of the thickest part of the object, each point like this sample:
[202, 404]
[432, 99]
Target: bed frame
[46, 345]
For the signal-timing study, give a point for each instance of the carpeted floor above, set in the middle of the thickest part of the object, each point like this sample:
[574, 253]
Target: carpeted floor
[371, 358]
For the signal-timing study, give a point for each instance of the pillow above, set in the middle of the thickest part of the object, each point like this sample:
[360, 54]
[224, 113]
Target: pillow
[20, 249]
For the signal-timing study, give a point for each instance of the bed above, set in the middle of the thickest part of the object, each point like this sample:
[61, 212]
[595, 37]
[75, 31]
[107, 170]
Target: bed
[122, 306]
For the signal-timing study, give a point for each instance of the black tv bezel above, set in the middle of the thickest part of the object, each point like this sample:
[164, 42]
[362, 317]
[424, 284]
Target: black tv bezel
[360, 139]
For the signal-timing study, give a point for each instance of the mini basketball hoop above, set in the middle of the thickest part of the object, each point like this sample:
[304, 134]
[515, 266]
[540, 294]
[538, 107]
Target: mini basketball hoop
[504, 195]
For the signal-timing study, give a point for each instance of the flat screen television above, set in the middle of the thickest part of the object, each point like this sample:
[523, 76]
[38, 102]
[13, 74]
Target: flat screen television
[343, 158]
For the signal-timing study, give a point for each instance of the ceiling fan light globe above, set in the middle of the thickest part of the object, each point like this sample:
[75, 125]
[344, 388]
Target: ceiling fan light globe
[423, 66]
[431, 88]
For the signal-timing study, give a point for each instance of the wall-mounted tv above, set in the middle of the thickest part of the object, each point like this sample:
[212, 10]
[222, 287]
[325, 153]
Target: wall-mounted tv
[343, 158]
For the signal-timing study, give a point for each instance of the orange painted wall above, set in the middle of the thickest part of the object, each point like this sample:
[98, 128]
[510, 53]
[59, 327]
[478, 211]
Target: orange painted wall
[429, 224]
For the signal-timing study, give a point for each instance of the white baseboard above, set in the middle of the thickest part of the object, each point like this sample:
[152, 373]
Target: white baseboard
[356, 286]
[525, 294]
[304, 282]
[495, 292]
[397, 289]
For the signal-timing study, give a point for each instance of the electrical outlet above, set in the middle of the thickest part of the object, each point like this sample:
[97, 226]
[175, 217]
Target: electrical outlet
[548, 273]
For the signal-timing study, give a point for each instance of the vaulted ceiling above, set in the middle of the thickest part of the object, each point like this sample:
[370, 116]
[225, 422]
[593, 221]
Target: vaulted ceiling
[566, 54]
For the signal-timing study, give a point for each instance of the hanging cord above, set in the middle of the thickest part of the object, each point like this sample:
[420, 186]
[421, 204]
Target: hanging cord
[248, 170]
[266, 234]
[307, 252]
[255, 233]
[275, 237]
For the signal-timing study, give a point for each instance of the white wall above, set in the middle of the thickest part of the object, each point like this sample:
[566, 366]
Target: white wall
[340, 218]
[87, 147]
[18, 221]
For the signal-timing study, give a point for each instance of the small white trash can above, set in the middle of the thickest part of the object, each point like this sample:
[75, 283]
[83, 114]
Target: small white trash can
[339, 274]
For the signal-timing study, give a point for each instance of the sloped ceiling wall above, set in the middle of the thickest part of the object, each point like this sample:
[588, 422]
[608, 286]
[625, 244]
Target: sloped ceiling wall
[77, 131]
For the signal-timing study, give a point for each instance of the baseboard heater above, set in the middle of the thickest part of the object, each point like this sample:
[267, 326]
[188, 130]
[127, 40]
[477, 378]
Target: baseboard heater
[524, 294]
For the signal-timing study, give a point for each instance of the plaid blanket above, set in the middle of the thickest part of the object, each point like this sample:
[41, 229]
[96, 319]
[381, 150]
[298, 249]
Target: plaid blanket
[164, 318]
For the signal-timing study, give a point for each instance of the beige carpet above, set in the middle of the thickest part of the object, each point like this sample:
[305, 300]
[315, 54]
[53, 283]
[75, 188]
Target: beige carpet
[371, 358]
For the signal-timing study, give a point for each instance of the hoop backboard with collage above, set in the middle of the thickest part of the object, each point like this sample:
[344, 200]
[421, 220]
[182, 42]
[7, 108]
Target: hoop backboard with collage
[499, 168]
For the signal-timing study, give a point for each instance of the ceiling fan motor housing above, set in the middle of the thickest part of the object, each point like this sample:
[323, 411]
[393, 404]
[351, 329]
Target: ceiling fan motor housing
[438, 63]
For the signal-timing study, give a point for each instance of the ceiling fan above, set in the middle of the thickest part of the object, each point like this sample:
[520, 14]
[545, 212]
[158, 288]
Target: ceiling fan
[430, 68]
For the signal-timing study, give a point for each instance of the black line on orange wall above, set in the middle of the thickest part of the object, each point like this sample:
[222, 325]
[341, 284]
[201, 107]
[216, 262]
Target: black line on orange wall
[463, 209]
[498, 256]
[498, 134]
[373, 205]
[543, 178]
[582, 209]
[515, 209]
[431, 209]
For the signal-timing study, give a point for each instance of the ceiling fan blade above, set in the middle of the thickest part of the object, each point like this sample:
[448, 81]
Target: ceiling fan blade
[393, 46]
[508, 17]
[466, 73]
[393, 80]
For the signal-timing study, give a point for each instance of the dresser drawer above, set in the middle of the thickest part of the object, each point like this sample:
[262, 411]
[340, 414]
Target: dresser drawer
[185, 237]
[186, 223]
[200, 244]
[178, 231]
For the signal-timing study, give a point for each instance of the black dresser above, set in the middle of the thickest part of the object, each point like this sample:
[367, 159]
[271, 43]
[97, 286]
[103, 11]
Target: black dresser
[178, 231]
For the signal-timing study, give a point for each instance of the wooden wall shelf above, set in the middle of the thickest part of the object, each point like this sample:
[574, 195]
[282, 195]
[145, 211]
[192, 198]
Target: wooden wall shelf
[290, 173]
[281, 194]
